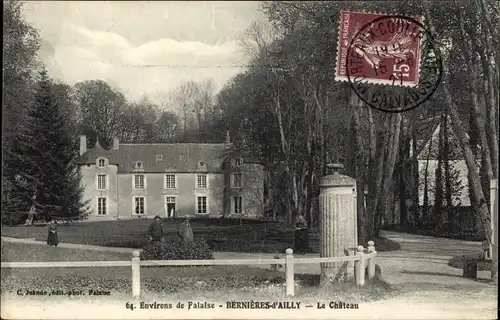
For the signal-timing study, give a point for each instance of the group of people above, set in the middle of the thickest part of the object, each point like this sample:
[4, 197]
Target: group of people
[185, 233]
[156, 233]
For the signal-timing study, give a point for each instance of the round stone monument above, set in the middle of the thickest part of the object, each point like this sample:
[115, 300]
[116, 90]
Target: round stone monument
[338, 223]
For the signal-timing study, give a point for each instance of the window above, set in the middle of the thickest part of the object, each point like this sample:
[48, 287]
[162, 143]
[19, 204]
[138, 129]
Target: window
[139, 181]
[201, 181]
[102, 205]
[170, 199]
[238, 205]
[139, 205]
[201, 205]
[170, 181]
[201, 164]
[138, 164]
[237, 180]
[101, 182]
[238, 162]
[101, 163]
[159, 157]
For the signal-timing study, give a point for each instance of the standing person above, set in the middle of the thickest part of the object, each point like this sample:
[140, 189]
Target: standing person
[31, 215]
[185, 231]
[156, 230]
[301, 241]
[52, 238]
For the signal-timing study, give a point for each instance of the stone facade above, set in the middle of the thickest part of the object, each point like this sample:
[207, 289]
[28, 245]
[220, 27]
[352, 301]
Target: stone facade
[144, 180]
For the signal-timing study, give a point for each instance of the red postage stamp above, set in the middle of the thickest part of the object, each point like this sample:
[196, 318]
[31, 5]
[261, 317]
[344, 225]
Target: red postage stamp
[383, 49]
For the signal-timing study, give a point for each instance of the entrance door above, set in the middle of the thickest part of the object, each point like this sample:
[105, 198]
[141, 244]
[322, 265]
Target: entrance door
[170, 207]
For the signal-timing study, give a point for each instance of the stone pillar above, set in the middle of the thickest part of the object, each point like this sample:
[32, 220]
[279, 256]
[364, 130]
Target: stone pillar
[338, 223]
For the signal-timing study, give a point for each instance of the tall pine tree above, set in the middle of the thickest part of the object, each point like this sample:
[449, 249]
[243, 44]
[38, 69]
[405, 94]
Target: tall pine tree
[47, 175]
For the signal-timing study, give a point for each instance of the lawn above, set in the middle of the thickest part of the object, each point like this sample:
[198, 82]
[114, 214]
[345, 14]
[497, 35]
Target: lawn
[181, 283]
[222, 235]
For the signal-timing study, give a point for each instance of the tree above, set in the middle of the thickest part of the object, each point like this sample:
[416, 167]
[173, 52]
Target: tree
[194, 100]
[46, 173]
[289, 95]
[102, 108]
[166, 127]
[469, 13]
[136, 123]
[20, 62]
[182, 98]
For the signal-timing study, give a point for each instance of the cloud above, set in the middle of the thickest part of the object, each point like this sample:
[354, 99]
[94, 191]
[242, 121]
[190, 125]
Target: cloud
[84, 54]
[102, 38]
[108, 40]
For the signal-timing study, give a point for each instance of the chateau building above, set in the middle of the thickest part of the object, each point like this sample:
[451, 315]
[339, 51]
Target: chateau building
[171, 180]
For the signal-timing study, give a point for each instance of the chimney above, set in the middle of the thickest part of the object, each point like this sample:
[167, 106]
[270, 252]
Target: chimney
[228, 138]
[116, 143]
[83, 144]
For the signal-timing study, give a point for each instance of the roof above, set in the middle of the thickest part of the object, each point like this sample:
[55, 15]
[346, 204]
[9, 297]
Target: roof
[431, 135]
[90, 157]
[178, 157]
[430, 149]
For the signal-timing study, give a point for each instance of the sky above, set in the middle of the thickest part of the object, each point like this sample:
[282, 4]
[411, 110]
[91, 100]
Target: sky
[144, 48]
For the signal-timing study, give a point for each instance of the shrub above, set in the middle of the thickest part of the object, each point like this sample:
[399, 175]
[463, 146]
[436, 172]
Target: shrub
[177, 250]
[460, 261]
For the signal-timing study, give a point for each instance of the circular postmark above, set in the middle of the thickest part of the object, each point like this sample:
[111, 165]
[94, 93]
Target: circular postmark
[393, 63]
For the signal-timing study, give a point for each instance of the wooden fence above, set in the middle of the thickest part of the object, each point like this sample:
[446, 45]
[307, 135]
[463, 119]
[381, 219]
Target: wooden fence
[363, 263]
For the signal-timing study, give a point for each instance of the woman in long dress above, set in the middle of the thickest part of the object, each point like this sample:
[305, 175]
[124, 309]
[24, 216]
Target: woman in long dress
[52, 238]
[185, 231]
[301, 244]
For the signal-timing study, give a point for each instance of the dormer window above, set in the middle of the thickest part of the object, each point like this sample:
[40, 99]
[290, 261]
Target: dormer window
[201, 164]
[101, 163]
[238, 162]
[159, 157]
[138, 165]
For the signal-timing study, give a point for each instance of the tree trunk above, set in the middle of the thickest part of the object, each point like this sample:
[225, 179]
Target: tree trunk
[478, 115]
[185, 123]
[490, 61]
[438, 218]
[392, 152]
[404, 161]
[415, 185]
[482, 209]
[290, 176]
[491, 105]
[375, 174]
[473, 143]
[425, 209]
[446, 161]
[356, 105]
[482, 205]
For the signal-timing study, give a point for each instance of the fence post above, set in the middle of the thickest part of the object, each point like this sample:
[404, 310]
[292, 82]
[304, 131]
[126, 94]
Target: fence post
[136, 274]
[371, 260]
[494, 229]
[359, 267]
[289, 273]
